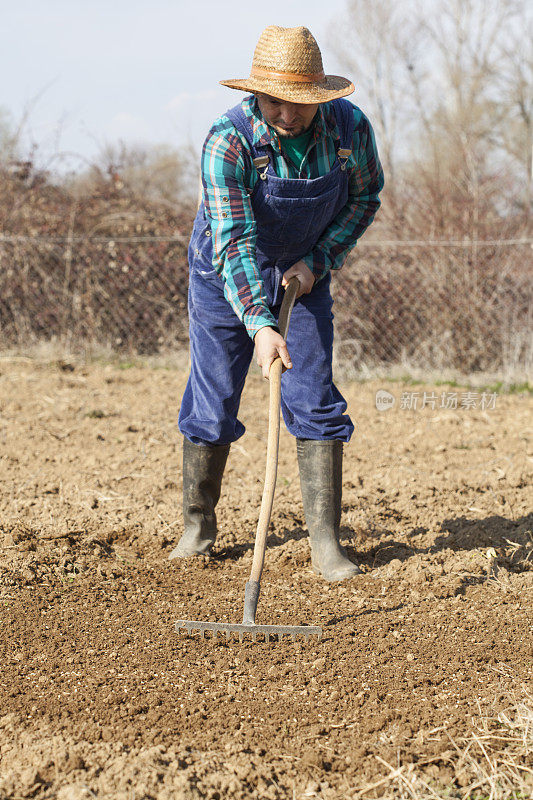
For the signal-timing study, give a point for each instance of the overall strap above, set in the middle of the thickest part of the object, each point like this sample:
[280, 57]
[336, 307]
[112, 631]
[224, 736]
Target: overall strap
[239, 119]
[344, 115]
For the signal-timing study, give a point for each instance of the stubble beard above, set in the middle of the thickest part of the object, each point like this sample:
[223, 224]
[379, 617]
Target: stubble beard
[291, 134]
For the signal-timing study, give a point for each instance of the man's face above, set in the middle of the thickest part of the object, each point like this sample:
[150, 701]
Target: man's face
[287, 119]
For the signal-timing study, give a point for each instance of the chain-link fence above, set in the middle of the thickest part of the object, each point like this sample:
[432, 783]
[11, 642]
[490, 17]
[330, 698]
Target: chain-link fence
[438, 305]
[433, 305]
[128, 294]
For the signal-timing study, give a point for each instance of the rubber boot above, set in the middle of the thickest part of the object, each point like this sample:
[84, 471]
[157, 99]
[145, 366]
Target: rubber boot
[320, 464]
[203, 467]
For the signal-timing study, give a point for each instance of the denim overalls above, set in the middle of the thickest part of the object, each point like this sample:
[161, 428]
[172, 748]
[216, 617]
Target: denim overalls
[291, 215]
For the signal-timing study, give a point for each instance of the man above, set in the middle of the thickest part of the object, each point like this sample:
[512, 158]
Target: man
[291, 179]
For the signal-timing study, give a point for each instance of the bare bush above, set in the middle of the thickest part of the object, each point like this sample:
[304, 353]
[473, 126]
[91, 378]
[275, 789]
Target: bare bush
[109, 267]
[156, 173]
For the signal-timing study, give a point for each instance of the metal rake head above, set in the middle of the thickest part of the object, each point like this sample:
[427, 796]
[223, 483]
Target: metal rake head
[255, 631]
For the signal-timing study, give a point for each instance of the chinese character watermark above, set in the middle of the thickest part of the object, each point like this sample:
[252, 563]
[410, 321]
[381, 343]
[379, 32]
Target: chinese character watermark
[416, 401]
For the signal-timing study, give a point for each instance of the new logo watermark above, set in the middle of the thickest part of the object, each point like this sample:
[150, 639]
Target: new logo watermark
[384, 400]
[416, 401]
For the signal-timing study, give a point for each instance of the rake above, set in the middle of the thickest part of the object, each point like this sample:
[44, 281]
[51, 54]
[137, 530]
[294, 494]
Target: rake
[253, 585]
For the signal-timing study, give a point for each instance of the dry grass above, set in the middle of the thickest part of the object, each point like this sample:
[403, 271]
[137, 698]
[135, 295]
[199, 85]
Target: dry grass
[495, 762]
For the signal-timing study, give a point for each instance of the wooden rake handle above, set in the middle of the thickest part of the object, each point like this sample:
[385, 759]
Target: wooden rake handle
[276, 368]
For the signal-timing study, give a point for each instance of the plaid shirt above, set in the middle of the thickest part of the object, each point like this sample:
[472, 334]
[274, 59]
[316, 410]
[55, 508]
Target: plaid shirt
[228, 178]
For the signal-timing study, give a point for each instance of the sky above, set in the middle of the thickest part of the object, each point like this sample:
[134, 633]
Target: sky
[91, 72]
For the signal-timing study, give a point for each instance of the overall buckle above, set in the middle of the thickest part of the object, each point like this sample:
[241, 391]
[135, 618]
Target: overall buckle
[261, 165]
[343, 154]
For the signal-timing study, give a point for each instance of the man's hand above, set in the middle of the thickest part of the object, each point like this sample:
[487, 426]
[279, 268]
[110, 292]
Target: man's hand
[304, 275]
[269, 344]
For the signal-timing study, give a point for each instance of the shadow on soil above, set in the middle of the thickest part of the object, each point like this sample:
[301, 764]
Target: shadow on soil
[458, 534]
[274, 540]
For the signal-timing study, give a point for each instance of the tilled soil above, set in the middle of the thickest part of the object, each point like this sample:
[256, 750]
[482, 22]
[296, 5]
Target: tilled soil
[99, 696]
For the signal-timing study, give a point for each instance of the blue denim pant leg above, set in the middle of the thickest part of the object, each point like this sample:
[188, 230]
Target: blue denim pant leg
[313, 407]
[221, 352]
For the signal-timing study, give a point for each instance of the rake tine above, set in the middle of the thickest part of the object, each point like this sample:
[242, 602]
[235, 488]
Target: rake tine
[261, 633]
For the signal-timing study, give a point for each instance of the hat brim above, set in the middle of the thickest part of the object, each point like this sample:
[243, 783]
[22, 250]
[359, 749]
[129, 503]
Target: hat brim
[332, 87]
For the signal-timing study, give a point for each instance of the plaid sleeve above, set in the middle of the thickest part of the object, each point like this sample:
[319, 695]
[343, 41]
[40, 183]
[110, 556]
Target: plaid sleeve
[228, 208]
[366, 182]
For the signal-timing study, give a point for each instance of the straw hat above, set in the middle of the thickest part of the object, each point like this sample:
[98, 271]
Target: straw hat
[287, 64]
